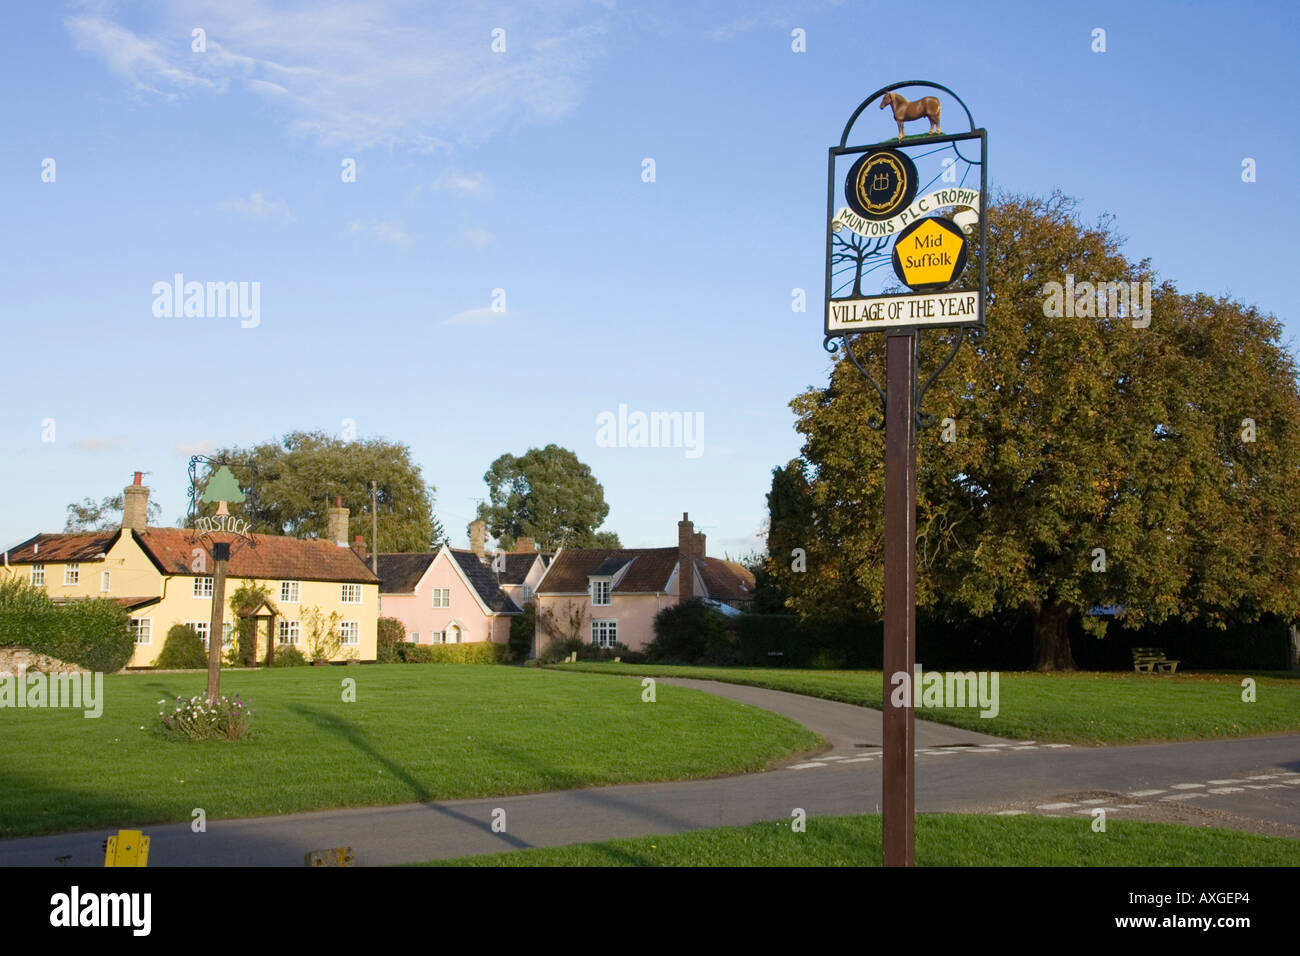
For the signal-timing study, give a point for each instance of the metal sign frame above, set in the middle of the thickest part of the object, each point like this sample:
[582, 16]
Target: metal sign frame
[973, 134]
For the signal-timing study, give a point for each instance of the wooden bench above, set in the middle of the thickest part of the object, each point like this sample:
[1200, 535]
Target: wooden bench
[1148, 660]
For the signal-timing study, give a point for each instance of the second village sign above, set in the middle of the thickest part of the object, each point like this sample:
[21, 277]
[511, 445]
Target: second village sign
[899, 238]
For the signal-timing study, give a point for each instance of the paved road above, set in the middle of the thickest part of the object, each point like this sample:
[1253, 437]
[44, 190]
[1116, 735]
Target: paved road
[1250, 783]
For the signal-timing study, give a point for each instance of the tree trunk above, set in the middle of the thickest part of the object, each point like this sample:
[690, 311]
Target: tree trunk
[1052, 638]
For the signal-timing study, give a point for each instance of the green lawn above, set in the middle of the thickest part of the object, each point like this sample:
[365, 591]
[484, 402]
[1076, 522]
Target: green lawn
[941, 840]
[1075, 708]
[415, 732]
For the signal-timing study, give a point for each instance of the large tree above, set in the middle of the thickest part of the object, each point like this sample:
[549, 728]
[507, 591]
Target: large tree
[546, 494]
[1094, 462]
[291, 482]
[104, 516]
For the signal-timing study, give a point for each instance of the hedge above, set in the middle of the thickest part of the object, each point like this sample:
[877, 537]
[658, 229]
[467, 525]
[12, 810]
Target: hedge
[183, 650]
[480, 652]
[391, 635]
[93, 633]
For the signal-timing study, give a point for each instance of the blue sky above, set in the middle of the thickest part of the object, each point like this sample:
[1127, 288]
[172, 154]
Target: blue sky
[522, 171]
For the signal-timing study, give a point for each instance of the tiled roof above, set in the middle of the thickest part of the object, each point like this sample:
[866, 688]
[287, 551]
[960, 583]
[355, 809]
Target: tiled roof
[273, 558]
[726, 580]
[484, 580]
[517, 566]
[400, 572]
[650, 571]
[83, 546]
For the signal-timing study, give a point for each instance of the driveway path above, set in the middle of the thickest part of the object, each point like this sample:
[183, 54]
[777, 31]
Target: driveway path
[1251, 783]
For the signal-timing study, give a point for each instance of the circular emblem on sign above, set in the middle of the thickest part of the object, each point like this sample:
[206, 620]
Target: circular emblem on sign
[881, 184]
[930, 254]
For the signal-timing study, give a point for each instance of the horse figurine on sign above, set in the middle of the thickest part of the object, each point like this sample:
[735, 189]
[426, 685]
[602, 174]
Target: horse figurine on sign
[905, 110]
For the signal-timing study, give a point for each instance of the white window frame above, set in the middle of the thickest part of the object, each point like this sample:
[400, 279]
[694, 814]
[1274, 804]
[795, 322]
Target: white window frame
[288, 632]
[142, 627]
[227, 634]
[201, 628]
[604, 633]
[202, 587]
[290, 592]
[105, 581]
[353, 589]
[601, 587]
[439, 637]
[350, 626]
[444, 594]
[72, 573]
[414, 637]
[38, 575]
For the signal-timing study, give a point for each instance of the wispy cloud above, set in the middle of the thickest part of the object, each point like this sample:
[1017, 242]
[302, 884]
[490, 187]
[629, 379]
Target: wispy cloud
[478, 237]
[256, 206]
[96, 444]
[390, 231]
[187, 448]
[466, 184]
[485, 316]
[383, 73]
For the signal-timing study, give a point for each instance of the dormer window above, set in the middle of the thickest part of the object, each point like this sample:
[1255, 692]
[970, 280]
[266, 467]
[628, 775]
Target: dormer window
[600, 588]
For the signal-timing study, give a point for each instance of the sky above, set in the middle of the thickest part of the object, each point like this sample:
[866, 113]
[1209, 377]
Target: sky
[504, 269]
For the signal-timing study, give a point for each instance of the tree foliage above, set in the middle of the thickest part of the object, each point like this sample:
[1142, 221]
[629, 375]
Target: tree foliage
[289, 485]
[546, 494]
[1074, 436]
[105, 516]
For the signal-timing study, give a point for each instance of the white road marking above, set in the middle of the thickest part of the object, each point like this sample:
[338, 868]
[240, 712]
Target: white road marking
[1221, 782]
[1185, 786]
[1055, 806]
[805, 766]
[1145, 793]
[1087, 802]
[1227, 790]
[1181, 796]
[1009, 813]
[1263, 776]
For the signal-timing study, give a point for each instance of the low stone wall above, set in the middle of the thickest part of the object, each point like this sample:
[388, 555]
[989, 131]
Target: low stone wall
[14, 660]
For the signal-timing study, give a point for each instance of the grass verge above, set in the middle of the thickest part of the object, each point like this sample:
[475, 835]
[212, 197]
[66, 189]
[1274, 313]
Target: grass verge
[1074, 708]
[414, 733]
[941, 840]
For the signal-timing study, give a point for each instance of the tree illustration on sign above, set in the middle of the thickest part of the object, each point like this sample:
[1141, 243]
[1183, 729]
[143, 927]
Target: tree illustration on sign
[221, 488]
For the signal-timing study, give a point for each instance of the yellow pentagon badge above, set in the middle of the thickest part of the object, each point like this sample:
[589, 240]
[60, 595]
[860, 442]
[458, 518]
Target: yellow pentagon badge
[930, 254]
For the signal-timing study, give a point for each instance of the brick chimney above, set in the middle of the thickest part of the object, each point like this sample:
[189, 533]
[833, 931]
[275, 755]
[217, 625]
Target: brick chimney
[135, 504]
[699, 545]
[359, 546]
[478, 539]
[686, 542]
[337, 523]
[525, 545]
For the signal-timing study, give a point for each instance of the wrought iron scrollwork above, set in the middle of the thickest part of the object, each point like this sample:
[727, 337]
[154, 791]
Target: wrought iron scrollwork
[832, 344]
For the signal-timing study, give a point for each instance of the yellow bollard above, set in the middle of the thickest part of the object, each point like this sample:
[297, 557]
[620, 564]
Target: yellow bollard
[128, 848]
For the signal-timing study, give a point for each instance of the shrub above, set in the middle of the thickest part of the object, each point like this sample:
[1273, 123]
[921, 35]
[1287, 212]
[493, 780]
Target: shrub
[321, 633]
[94, 633]
[687, 633]
[183, 650]
[522, 629]
[559, 649]
[479, 652]
[226, 718]
[392, 634]
[416, 653]
[286, 655]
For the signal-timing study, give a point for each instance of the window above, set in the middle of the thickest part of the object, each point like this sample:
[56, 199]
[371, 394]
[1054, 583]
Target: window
[288, 632]
[71, 573]
[442, 597]
[202, 629]
[600, 591]
[38, 575]
[203, 587]
[351, 594]
[104, 580]
[440, 637]
[289, 592]
[227, 634]
[414, 637]
[604, 633]
[527, 593]
[142, 630]
[350, 632]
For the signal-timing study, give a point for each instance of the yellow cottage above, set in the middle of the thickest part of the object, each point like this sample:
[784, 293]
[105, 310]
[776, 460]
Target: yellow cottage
[163, 576]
